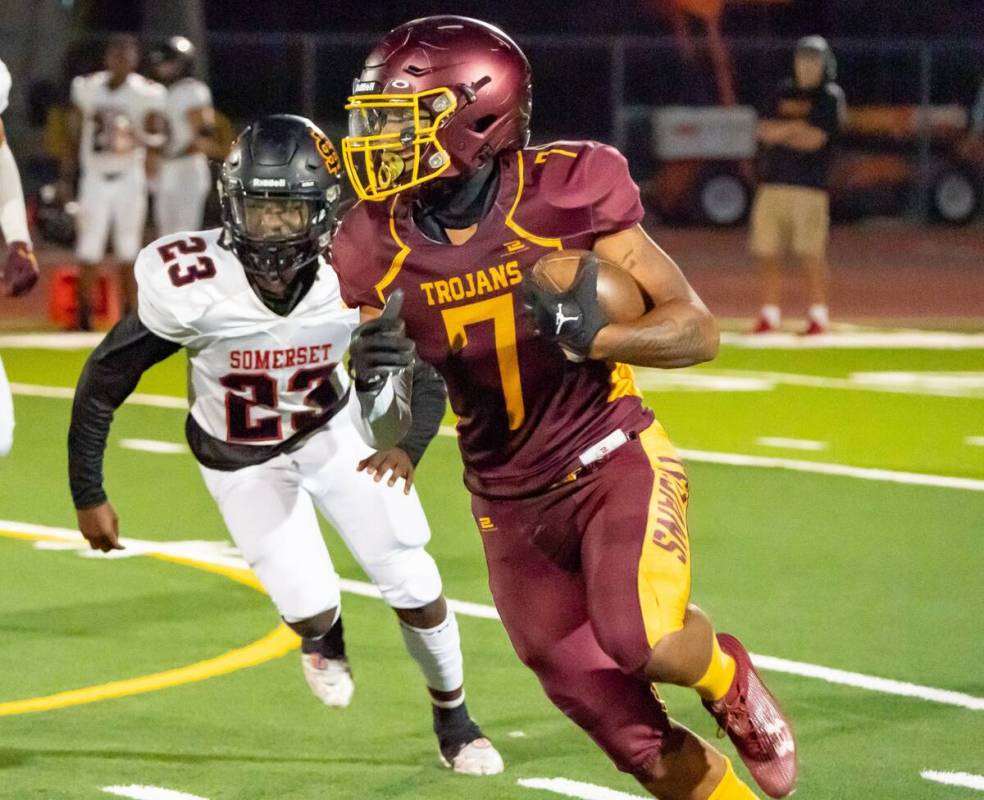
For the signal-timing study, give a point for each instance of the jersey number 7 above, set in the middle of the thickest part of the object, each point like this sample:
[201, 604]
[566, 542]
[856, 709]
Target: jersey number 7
[500, 311]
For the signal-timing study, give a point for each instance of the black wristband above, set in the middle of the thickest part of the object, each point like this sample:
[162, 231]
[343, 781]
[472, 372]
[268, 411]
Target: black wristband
[427, 403]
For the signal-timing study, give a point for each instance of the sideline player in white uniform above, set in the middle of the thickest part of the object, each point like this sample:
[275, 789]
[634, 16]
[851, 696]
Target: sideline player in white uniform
[184, 180]
[271, 418]
[20, 272]
[116, 128]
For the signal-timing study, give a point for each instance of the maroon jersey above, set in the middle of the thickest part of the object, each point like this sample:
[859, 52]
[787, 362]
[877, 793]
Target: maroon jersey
[525, 413]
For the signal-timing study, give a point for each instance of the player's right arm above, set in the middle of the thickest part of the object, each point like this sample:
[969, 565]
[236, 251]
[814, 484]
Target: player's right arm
[352, 257]
[110, 375]
[381, 360]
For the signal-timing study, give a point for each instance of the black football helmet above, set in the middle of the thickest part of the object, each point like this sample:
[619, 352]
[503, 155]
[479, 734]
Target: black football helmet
[177, 50]
[280, 190]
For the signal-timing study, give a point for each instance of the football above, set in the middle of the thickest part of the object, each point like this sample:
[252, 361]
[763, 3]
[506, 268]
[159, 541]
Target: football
[618, 293]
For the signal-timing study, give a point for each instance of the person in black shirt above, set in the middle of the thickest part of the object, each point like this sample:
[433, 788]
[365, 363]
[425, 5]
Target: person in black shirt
[791, 211]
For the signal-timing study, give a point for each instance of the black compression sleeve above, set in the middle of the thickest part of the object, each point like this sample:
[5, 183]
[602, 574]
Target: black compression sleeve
[427, 400]
[109, 376]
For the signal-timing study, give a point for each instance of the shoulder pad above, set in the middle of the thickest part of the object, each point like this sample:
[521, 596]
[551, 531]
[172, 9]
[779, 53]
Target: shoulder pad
[178, 278]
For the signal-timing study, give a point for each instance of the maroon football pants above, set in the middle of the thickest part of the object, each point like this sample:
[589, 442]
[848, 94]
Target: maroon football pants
[587, 576]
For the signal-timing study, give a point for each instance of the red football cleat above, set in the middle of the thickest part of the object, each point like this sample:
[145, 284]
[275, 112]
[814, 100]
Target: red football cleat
[814, 328]
[764, 326]
[751, 717]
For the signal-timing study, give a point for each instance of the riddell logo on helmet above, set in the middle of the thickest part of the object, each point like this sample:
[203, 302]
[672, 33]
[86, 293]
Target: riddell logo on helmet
[269, 183]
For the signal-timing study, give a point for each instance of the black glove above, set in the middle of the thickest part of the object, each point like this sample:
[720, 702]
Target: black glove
[573, 318]
[21, 271]
[380, 347]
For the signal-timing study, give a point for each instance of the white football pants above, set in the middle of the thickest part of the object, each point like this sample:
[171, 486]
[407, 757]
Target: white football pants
[116, 205]
[269, 510]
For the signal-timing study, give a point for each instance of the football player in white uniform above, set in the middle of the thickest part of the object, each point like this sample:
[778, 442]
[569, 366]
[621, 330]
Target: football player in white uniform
[184, 180]
[273, 423]
[116, 129]
[20, 271]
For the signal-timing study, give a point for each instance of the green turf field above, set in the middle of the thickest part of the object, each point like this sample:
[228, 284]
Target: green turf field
[876, 577]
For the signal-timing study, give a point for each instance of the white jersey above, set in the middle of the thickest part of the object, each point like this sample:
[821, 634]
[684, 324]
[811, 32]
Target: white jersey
[5, 83]
[256, 378]
[183, 96]
[114, 120]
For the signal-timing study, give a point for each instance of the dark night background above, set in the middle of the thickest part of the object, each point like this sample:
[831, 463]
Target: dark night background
[915, 18]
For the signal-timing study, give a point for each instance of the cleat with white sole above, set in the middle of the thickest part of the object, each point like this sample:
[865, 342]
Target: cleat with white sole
[478, 757]
[330, 679]
[462, 745]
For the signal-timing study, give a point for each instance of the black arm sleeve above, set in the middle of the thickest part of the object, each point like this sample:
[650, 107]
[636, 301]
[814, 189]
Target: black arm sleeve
[427, 401]
[109, 376]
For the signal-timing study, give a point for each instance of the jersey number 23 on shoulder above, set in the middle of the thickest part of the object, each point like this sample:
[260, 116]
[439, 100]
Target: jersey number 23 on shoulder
[183, 274]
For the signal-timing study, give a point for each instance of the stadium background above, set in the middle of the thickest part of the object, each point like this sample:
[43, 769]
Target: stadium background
[837, 506]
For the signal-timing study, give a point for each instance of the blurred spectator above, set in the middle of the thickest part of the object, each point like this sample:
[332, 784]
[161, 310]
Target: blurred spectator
[115, 128]
[792, 206]
[185, 180]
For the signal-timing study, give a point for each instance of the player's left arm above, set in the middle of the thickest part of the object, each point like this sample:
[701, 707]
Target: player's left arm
[677, 331]
[20, 272]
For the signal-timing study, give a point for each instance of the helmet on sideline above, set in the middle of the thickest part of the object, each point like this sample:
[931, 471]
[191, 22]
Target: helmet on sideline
[280, 189]
[438, 96]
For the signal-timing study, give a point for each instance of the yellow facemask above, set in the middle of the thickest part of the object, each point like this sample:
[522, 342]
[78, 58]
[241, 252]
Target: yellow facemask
[389, 135]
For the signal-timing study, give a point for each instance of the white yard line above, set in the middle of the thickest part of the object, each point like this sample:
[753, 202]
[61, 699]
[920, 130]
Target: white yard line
[700, 456]
[791, 444]
[858, 340]
[569, 788]
[66, 393]
[854, 338]
[153, 446]
[841, 470]
[223, 554]
[919, 383]
[965, 780]
[138, 792]
[51, 341]
[870, 682]
[975, 441]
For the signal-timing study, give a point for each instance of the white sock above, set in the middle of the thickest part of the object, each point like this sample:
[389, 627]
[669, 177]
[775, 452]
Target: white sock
[819, 314]
[437, 652]
[771, 314]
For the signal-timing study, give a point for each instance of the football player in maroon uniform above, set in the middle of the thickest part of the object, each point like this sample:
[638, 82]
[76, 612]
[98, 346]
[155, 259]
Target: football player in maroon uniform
[578, 494]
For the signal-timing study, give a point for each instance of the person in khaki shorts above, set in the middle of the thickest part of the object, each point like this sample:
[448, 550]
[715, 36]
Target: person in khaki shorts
[791, 211]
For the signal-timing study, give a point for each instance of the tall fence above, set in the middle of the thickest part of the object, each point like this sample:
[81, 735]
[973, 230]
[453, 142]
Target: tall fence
[910, 102]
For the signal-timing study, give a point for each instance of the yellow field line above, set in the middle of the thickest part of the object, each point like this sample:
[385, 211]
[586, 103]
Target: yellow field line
[280, 641]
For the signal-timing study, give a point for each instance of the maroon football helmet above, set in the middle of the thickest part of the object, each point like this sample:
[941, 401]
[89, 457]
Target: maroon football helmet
[438, 96]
